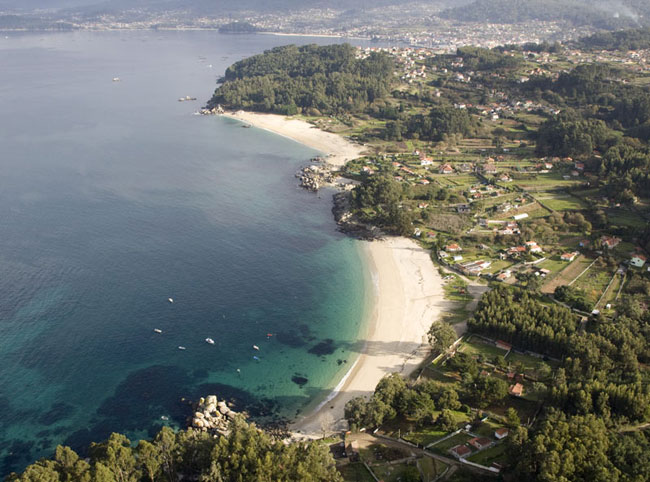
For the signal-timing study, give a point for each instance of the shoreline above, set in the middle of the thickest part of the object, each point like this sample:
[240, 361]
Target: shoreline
[407, 294]
[337, 150]
[408, 297]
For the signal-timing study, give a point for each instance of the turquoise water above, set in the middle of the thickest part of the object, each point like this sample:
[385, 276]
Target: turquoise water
[113, 198]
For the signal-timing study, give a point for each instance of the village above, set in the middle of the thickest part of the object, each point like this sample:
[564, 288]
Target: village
[493, 212]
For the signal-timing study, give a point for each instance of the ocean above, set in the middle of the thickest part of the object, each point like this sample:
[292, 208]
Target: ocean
[114, 198]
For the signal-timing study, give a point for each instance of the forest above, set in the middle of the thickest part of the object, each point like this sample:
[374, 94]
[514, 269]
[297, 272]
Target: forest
[603, 360]
[246, 454]
[630, 39]
[309, 79]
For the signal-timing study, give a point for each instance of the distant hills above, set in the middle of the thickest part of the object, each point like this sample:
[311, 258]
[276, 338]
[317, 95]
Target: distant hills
[204, 6]
[603, 14]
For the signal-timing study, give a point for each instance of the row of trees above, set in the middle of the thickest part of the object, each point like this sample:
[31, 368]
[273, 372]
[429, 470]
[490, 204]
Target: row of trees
[246, 454]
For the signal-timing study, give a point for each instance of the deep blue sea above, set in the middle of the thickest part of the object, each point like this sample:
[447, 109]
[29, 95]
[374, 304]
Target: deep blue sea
[114, 198]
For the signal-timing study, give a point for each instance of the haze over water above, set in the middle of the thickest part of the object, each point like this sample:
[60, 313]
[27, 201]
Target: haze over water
[113, 198]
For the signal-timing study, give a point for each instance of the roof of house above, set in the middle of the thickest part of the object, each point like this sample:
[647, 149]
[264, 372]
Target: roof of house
[503, 344]
[461, 450]
[479, 442]
[569, 255]
[501, 432]
[516, 389]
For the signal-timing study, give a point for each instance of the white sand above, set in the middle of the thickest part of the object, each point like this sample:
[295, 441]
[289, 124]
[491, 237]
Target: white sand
[337, 149]
[409, 298]
[409, 293]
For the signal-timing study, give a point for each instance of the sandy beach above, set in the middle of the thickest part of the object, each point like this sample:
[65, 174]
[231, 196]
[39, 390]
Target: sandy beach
[409, 297]
[337, 149]
[408, 292]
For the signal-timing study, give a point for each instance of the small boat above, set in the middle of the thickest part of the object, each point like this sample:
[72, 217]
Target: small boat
[157, 330]
[256, 358]
[171, 300]
[116, 79]
[164, 417]
[181, 347]
[255, 347]
[210, 341]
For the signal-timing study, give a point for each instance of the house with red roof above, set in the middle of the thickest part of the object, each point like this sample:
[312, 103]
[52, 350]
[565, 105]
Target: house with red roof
[501, 433]
[610, 242]
[569, 256]
[446, 169]
[516, 390]
[460, 451]
[480, 443]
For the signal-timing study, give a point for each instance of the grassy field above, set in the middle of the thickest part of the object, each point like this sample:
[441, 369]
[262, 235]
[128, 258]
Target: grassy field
[456, 289]
[393, 473]
[487, 428]
[545, 182]
[568, 274]
[563, 202]
[487, 456]
[474, 346]
[531, 365]
[594, 282]
[425, 436]
[355, 473]
[431, 468]
[444, 446]
[623, 217]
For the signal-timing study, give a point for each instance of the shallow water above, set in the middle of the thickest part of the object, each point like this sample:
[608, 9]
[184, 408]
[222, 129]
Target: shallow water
[113, 198]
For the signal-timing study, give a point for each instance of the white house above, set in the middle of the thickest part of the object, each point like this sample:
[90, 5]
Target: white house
[638, 260]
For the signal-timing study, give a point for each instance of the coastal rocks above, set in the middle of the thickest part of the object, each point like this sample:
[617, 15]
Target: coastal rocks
[346, 221]
[212, 415]
[314, 177]
[214, 111]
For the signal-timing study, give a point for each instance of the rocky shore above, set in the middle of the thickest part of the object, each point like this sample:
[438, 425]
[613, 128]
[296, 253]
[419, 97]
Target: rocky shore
[314, 177]
[347, 223]
[212, 415]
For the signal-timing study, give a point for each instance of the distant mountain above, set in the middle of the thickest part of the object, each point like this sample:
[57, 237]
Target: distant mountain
[602, 14]
[201, 6]
[29, 5]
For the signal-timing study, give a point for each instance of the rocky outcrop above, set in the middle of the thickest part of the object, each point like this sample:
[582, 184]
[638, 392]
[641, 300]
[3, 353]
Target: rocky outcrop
[212, 415]
[347, 222]
[314, 177]
[214, 111]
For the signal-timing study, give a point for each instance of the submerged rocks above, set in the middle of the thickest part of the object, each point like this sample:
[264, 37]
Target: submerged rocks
[212, 415]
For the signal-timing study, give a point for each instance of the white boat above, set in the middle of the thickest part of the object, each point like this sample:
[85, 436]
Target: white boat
[181, 347]
[157, 330]
[210, 341]
[164, 417]
[116, 79]
[171, 300]
[255, 347]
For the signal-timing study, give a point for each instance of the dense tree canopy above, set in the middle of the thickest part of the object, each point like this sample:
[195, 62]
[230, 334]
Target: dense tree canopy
[312, 79]
[246, 454]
